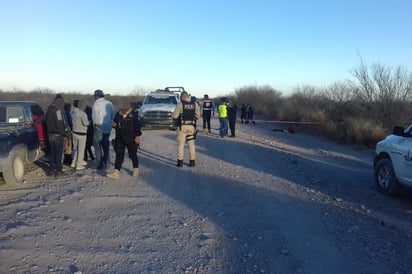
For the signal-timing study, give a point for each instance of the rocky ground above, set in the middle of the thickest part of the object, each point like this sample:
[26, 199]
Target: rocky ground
[263, 202]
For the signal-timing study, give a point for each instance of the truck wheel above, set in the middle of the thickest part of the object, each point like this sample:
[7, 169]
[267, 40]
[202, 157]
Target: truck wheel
[385, 177]
[14, 175]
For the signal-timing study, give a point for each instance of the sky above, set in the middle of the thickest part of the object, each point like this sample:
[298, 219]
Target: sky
[206, 46]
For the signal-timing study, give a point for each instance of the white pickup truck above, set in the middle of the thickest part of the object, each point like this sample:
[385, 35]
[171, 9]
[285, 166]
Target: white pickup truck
[158, 106]
[393, 161]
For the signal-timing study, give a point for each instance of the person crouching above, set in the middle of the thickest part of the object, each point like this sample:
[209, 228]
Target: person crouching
[127, 135]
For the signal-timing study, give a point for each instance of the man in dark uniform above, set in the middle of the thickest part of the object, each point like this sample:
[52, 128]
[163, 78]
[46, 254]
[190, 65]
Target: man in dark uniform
[207, 112]
[128, 131]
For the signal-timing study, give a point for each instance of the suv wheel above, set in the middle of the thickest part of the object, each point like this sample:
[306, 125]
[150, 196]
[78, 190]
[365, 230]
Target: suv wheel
[385, 177]
[14, 174]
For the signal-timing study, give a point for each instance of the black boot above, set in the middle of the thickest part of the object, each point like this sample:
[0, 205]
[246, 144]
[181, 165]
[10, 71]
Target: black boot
[192, 163]
[179, 163]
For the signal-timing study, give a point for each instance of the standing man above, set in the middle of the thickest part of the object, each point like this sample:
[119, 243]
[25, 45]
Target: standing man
[68, 142]
[79, 133]
[232, 115]
[186, 114]
[207, 112]
[89, 140]
[127, 127]
[249, 114]
[102, 116]
[243, 113]
[222, 109]
[57, 129]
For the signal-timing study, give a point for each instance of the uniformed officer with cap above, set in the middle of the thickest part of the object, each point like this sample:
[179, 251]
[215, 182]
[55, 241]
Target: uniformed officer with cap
[186, 114]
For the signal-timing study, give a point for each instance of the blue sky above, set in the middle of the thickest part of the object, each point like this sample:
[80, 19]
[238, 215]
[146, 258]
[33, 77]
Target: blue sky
[206, 46]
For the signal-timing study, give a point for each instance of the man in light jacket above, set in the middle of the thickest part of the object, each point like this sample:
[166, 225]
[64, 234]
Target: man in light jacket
[102, 116]
[79, 134]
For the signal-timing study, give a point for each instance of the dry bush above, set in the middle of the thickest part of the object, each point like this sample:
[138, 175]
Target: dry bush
[306, 104]
[265, 100]
[384, 91]
[363, 132]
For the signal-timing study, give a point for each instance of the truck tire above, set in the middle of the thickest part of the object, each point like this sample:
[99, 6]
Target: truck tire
[14, 175]
[385, 177]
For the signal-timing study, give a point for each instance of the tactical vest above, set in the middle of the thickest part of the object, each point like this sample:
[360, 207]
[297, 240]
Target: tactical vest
[188, 114]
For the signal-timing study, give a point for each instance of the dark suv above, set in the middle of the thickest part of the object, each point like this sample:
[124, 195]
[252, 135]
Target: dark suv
[21, 138]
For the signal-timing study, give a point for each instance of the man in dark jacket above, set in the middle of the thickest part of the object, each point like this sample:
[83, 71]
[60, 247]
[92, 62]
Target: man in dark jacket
[207, 109]
[232, 115]
[128, 131]
[57, 128]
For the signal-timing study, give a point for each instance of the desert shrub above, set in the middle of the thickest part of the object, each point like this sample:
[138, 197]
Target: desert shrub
[363, 132]
[265, 100]
[385, 92]
[306, 104]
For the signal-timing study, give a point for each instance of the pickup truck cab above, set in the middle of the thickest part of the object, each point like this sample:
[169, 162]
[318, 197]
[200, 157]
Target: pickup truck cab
[21, 139]
[393, 161]
[158, 106]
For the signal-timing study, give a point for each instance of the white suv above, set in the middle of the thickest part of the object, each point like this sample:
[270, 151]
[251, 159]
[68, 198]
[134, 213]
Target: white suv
[158, 107]
[393, 161]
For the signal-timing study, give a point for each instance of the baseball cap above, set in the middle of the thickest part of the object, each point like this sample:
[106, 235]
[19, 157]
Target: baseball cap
[98, 93]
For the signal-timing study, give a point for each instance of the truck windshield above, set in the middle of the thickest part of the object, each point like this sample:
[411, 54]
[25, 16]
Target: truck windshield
[161, 100]
[11, 114]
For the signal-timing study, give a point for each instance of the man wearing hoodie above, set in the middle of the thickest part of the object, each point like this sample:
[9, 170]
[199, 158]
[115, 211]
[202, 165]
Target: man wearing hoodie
[128, 130]
[57, 129]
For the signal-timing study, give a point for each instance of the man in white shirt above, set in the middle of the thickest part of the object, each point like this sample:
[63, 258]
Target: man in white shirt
[102, 115]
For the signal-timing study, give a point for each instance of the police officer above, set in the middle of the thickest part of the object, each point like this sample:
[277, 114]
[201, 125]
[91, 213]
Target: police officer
[186, 114]
[207, 107]
[128, 131]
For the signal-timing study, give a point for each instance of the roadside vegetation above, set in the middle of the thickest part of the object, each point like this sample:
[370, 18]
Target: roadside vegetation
[360, 111]
[44, 96]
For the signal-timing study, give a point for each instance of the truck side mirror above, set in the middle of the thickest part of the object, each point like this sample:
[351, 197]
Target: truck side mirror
[399, 131]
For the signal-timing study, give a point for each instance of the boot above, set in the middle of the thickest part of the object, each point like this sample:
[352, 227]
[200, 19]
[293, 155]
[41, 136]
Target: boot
[192, 163]
[179, 163]
[135, 172]
[115, 174]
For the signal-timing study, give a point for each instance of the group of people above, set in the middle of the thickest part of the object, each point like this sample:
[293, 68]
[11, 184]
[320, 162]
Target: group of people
[246, 114]
[84, 126]
[228, 116]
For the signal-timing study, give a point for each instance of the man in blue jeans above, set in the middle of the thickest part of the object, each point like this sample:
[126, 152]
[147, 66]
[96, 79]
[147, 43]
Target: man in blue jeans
[102, 115]
[222, 111]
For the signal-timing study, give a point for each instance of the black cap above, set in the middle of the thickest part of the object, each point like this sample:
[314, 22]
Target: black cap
[98, 93]
[76, 103]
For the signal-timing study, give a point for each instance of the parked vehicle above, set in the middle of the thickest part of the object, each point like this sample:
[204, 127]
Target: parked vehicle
[21, 138]
[393, 161]
[158, 106]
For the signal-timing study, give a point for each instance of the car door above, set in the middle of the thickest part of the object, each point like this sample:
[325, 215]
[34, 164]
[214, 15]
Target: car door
[402, 159]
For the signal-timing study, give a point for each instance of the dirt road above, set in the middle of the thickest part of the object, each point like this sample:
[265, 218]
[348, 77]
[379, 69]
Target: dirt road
[263, 202]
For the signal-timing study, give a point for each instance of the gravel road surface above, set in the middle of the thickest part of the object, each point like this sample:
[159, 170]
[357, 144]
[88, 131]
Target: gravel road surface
[263, 202]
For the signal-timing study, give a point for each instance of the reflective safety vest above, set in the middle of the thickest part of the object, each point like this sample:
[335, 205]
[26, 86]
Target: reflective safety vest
[222, 111]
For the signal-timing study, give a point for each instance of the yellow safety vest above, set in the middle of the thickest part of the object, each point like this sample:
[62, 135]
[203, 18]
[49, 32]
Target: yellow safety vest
[222, 111]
